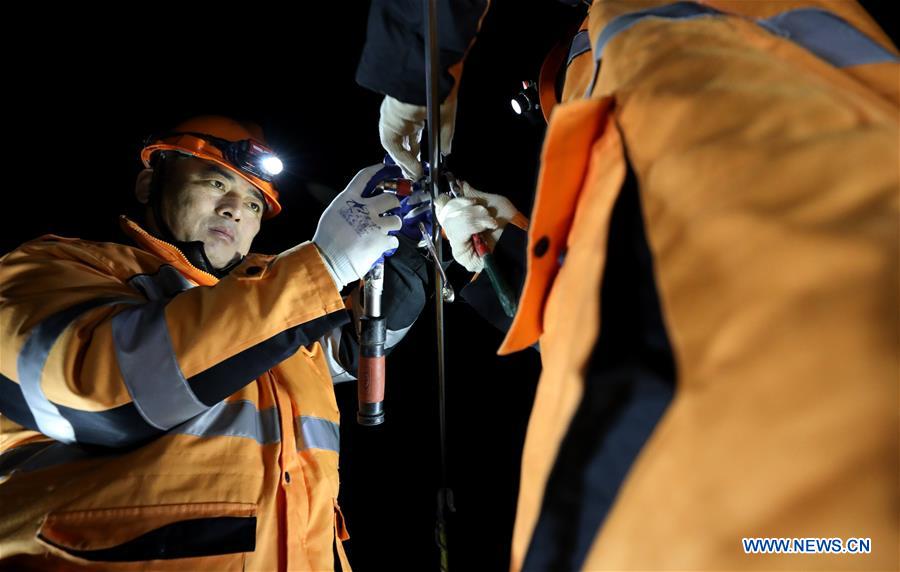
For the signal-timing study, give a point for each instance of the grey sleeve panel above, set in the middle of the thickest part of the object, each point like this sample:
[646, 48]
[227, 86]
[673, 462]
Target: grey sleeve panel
[149, 367]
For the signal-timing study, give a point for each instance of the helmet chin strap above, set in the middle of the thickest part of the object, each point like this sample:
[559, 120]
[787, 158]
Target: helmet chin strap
[194, 251]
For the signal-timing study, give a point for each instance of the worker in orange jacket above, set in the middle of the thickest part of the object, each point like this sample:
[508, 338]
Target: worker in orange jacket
[712, 270]
[168, 404]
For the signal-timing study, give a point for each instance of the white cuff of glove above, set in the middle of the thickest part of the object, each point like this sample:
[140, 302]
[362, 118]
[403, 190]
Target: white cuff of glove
[333, 272]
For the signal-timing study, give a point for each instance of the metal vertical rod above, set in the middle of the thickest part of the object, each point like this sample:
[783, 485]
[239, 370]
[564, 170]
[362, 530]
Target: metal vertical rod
[434, 146]
[433, 104]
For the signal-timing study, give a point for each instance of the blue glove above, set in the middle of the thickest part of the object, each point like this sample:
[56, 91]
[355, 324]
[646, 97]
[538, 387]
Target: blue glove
[414, 208]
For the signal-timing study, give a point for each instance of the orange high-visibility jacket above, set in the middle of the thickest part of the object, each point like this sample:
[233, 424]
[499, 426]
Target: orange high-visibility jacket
[154, 414]
[767, 167]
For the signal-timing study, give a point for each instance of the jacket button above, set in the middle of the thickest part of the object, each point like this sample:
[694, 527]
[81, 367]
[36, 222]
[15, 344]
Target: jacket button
[541, 246]
[287, 477]
[253, 270]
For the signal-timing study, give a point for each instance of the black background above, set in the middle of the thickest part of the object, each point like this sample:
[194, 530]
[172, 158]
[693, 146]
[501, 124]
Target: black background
[83, 87]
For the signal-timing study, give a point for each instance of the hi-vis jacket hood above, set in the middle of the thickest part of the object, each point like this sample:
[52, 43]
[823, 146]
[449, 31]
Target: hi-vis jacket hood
[145, 400]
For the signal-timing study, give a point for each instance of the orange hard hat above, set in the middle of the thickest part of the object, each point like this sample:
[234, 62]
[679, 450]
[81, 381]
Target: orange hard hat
[237, 146]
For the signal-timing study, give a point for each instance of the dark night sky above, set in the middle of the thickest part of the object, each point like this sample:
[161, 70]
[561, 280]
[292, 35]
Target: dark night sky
[85, 86]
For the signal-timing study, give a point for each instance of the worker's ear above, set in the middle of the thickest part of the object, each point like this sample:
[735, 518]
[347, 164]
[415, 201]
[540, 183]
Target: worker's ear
[142, 186]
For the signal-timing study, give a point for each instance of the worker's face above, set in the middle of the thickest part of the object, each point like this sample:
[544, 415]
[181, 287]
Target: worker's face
[205, 202]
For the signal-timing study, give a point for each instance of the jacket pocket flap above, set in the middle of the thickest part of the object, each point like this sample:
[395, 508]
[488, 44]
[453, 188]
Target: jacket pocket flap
[153, 532]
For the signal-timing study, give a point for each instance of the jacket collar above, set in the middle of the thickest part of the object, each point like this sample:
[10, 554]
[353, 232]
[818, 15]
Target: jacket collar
[167, 251]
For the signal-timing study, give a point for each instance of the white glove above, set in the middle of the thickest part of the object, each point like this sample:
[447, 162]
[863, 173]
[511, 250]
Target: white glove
[472, 213]
[352, 234]
[400, 128]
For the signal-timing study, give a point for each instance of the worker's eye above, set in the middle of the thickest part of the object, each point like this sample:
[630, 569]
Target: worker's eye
[217, 184]
[256, 207]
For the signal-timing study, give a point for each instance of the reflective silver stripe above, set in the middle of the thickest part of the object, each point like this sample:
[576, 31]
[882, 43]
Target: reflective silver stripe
[317, 433]
[679, 10]
[165, 283]
[30, 367]
[819, 31]
[828, 36]
[147, 362]
[393, 337]
[234, 419]
[331, 343]
[580, 44]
